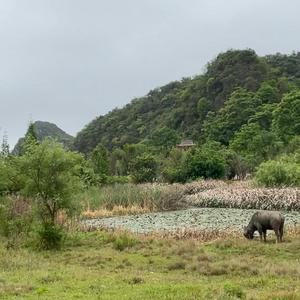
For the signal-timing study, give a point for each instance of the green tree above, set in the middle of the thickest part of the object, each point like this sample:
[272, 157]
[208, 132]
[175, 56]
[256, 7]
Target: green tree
[144, 168]
[287, 116]
[284, 171]
[203, 107]
[11, 178]
[51, 179]
[255, 144]
[132, 151]
[165, 138]
[268, 93]
[229, 119]
[238, 166]
[118, 163]
[264, 116]
[172, 166]
[30, 140]
[293, 145]
[207, 161]
[100, 162]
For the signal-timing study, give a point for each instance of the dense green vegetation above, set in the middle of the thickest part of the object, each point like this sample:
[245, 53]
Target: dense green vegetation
[244, 110]
[46, 177]
[184, 107]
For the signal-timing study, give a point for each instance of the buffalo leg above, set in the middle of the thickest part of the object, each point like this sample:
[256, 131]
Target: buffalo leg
[277, 235]
[260, 234]
[281, 233]
[265, 235]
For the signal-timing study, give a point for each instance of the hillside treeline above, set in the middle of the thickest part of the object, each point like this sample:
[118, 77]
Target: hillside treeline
[242, 111]
[188, 107]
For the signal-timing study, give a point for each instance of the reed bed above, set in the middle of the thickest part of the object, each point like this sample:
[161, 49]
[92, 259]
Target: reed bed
[118, 210]
[148, 197]
[123, 199]
[248, 198]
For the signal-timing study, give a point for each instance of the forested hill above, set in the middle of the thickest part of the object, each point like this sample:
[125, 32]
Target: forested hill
[237, 86]
[45, 129]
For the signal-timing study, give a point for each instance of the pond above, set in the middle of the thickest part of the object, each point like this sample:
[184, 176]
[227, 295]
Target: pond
[193, 218]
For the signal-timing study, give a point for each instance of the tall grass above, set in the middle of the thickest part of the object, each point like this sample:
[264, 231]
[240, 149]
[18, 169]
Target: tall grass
[119, 195]
[133, 198]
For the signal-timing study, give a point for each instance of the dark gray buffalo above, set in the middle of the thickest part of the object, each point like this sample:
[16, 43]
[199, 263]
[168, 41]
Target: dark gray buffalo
[264, 220]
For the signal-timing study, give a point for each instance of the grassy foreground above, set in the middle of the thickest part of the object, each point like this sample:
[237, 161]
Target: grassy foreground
[101, 265]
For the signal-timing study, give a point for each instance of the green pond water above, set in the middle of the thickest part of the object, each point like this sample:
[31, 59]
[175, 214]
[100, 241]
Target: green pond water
[193, 218]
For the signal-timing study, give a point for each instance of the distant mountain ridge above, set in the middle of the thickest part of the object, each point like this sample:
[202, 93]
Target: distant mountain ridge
[46, 129]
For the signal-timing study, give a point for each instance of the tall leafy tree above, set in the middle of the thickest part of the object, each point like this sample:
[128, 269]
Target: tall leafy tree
[268, 92]
[100, 160]
[30, 140]
[144, 168]
[165, 138]
[255, 144]
[287, 116]
[51, 179]
[207, 161]
[229, 119]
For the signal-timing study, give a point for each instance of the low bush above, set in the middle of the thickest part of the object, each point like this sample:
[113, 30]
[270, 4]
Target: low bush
[144, 168]
[278, 173]
[16, 221]
[234, 291]
[50, 237]
[124, 241]
[207, 161]
[179, 265]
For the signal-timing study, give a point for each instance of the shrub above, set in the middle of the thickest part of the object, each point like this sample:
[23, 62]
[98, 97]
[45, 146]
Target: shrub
[278, 173]
[124, 241]
[234, 291]
[16, 221]
[11, 179]
[50, 237]
[179, 265]
[119, 179]
[207, 161]
[144, 168]
[172, 174]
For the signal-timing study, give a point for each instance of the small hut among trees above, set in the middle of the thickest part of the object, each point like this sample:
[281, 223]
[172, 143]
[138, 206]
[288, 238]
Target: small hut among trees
[186, 144]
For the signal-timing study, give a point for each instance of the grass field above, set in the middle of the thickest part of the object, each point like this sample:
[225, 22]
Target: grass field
[102, 265]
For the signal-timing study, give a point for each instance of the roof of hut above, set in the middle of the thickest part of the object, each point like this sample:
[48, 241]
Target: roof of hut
[186, 143]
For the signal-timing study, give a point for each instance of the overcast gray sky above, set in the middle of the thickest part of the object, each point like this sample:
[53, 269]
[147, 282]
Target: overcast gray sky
[68, 61]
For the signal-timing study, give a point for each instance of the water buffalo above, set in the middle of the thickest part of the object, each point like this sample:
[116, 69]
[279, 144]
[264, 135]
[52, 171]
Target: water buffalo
[264, 220]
